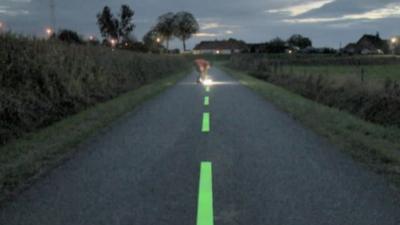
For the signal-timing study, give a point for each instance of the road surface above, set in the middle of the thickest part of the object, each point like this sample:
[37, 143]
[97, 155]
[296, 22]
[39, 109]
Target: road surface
[266, 169]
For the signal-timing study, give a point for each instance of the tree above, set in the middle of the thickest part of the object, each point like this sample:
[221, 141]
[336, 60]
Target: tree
[152, 40]
[299, 41]
[185, 25]
[126, 24]
[276, 45]
[165, 27]
[69, 36]
[108, 25]
[114, 28]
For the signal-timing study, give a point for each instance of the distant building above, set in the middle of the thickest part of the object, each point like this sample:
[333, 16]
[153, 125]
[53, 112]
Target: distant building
[368, 44]
[225, 47]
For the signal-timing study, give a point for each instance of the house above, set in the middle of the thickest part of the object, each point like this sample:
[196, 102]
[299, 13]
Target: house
[368, 44]
[350, 49]
[225, 47]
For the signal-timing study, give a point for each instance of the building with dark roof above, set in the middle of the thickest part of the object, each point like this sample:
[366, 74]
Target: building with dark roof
[224, 47]
[368, 44]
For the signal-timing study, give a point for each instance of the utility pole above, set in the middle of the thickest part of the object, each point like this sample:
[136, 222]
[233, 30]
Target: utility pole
[52, 15]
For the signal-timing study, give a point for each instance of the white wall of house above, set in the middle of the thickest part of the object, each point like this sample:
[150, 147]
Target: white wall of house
[215, 52]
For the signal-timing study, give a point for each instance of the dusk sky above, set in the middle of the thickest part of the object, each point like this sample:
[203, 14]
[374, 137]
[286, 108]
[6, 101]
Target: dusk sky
[326, 22]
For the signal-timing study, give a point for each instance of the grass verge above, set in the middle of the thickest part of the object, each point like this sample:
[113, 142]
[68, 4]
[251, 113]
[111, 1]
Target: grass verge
[28, 158]
[376, 146]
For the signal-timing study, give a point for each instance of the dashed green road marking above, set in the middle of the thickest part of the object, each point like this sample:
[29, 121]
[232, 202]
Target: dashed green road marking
[205, 212]
[208, 89]
[206, 123]
[206, 101]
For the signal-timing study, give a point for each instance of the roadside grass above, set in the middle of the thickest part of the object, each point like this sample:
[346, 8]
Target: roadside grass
[376, 146]
[26, 159]
[376, 72]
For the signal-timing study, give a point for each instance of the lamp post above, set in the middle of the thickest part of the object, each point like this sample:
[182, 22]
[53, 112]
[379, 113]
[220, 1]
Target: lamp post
[49, 32]
[394, 41]
[113, 43]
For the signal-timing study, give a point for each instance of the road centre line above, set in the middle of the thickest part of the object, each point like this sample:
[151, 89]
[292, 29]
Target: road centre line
[205, 212]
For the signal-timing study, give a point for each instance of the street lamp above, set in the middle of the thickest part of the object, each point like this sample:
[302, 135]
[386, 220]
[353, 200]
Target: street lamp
[49, 31]
[158, 40]
[91, 38]
[113, 43]
[394, 41]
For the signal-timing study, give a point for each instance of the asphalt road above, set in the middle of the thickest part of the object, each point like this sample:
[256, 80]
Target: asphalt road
[266, 169]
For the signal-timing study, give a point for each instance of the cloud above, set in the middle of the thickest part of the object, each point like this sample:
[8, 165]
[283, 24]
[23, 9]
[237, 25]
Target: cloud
[388, 11]
[5, 10]
[205, 34]
[301, 8]
[215, 25]
[211, 25]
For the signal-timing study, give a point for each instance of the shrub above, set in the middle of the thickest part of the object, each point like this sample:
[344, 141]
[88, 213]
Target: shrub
[44, 81]
[369, 99]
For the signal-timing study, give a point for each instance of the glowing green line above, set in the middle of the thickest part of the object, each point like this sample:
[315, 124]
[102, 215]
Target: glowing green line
[208, 89]
[206, 123]
[206, 101]
[205, 212]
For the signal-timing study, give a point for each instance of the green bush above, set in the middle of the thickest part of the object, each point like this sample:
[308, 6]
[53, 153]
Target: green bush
[43, 81]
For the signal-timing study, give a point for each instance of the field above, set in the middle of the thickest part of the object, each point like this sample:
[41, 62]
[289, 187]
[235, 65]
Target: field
[376, 72]
[367, 87]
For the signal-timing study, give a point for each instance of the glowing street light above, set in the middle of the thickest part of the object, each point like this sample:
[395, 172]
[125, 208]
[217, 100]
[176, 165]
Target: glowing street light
[158, 40]
[49, 31]
[394, 40]
[113, 43]
[91, 38]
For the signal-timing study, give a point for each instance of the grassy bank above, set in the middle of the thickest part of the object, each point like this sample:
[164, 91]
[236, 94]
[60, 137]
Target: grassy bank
[378, 73]
[24, 160]
[44, 81]
[376, 146]
[366, 91]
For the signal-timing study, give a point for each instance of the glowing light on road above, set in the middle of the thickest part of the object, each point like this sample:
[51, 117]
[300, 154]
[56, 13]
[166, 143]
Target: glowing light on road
[208, 82]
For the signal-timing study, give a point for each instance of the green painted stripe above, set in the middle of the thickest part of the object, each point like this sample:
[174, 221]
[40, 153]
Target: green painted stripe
[205, 212]
[208, 89]
[206, 123]
[206, 101]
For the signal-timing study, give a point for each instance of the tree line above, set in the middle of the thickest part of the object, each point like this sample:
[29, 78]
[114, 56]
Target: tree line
[117, 31]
